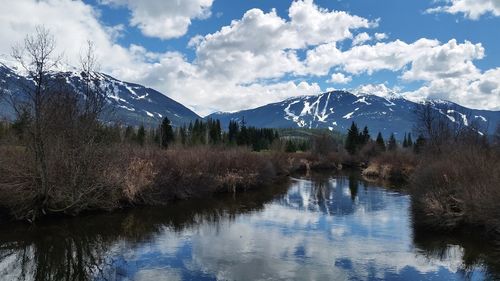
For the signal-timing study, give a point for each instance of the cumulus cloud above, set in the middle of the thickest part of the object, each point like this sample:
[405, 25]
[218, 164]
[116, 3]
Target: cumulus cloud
[380, 90]
[71, 22]
[361, 38]
[481, 91]
[265, 44]
[164, 19]
[472, 9]
[423, 59]
[450, 60]
[340, 78]
[381, 36]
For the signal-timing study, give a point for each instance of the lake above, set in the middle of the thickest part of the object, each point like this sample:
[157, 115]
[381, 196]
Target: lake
[314, 227]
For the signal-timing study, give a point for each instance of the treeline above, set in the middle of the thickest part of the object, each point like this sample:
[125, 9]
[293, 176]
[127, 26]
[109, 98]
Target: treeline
[358, 141]
[199, 132]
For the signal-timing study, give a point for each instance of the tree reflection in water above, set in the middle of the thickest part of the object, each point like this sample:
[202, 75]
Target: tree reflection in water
[95, 246]
[474, 250]
[83, 248]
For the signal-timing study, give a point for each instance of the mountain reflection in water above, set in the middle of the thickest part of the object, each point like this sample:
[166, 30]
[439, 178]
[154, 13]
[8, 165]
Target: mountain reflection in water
[315, 227]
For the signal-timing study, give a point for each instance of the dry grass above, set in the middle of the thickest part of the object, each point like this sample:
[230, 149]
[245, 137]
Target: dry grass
[462, 187]
[393, 166]
[122, 175]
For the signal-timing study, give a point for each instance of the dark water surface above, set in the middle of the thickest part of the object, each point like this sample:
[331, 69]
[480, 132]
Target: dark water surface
[319, 227]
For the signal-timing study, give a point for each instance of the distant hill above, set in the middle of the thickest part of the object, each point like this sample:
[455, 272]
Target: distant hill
[130, 104]
[338, 109]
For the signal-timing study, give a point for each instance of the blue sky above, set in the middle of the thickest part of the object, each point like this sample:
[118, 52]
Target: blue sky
[230, 55]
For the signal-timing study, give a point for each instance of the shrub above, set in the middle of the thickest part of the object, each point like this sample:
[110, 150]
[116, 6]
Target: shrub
[462, 187]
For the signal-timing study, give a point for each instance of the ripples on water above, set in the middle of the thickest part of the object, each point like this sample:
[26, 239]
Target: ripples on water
[320, 227]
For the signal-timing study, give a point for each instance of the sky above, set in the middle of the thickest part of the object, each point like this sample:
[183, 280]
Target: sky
[229, 55]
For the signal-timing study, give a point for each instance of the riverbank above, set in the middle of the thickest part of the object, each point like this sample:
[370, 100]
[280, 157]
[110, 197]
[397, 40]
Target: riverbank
[454, 190]
[124, 176]
[459, 190]
[449, 193]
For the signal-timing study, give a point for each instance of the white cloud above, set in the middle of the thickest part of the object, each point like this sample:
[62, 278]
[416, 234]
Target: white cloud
[340, 78]
[265, 44]
[450, 60]
[472, 9]
[71, 22]
[381, 36]
[361, 38]
[380, 90]
[481, 91]
[422, 60]
[164, 19]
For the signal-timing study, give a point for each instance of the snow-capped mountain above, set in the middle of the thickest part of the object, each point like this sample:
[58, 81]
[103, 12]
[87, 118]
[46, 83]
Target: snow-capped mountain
[338, 109]
[130, 103]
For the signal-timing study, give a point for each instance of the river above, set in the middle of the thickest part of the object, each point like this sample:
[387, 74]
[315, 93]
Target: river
[314, 227]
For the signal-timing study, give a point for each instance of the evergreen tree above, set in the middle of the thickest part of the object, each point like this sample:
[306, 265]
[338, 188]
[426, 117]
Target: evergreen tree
[233, 131]
[290, 146]
[141, 135]
[243, 138]
[380, 142]
[409, 141]
[392, 145]
[405, 142]
[130, 133]
[167, 133]
[214, 131]
[365, 136]
[419, 144]
[352, 140]
[183, 135]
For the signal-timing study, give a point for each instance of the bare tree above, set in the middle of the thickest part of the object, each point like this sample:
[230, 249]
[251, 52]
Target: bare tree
[37, 58]
[64, 132]
[445, 126]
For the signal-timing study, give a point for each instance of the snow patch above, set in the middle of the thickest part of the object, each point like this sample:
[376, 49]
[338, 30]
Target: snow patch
[349, 115]
[127, 108]
[480, 117]
[362, 100]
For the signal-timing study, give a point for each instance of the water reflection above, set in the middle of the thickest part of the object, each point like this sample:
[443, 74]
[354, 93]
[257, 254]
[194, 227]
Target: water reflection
[322, 227]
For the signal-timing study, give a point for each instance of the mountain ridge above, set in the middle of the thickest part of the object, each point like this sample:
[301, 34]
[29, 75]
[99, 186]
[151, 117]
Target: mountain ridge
[131, 103]
[336, 110]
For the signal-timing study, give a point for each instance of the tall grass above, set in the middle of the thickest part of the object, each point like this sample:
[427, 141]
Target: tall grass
[459, 188]
[118, 176]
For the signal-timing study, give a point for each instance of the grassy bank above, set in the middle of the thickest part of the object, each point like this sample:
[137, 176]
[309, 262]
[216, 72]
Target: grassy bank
[459, 189]
[121, 176]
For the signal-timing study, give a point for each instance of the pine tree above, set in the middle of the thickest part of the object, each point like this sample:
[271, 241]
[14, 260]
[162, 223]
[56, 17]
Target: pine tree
[167, 133]
[419, 144]
[243, 138]
[183, 135]
[380, 142]
[233, 132]
[141, 135]
[290, 146]
[392, 144]
[352, 140]
[130, 133]
[365, 136]
[409, 141]
[405, 142]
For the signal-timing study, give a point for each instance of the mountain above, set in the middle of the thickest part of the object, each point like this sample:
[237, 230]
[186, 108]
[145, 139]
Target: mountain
[338, 109]
[130, 103]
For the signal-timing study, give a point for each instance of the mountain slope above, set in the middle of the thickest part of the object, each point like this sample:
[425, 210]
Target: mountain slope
[129, 103]
[338, 109]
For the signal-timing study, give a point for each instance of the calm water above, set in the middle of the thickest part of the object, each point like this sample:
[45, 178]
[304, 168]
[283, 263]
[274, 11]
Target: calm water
[320, 227]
